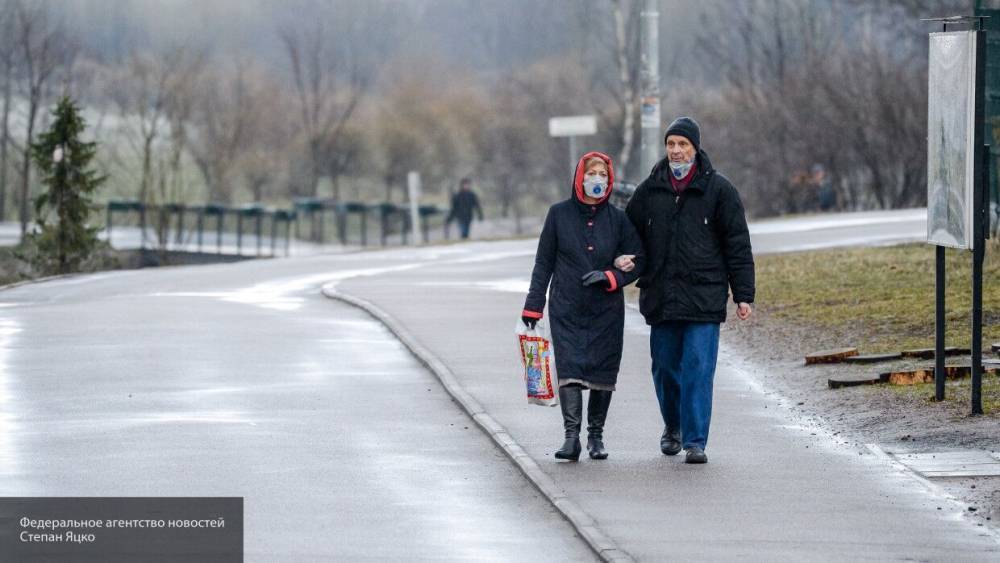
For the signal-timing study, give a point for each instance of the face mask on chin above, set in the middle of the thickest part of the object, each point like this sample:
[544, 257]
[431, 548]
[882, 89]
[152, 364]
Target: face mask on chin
[595, 186]
[681, 169]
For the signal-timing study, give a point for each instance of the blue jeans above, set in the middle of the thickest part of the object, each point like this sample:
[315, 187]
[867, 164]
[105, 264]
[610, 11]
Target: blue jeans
[684, 356]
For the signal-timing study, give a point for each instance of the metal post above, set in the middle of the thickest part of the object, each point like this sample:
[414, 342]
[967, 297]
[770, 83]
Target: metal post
[259, 219]
[939, 334]
[939, 329]
[142, 225]
[274, 231]
[364, 228]
[239, 233]
[980, 173]
[385, 226]
[977, 328]
[413, 194]
[201, 225]
[288, 236]
[341, 216]
[109, 223]
[181, 210]
[218, 230]
[164, 227]
[652, 145]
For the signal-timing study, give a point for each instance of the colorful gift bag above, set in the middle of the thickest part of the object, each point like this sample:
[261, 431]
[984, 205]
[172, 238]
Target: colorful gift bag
[539, 363]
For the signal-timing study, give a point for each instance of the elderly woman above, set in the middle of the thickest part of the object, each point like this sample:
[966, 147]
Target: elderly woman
[577, 252]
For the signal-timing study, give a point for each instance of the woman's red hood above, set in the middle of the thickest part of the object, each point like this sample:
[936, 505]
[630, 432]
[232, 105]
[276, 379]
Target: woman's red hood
[578, 177]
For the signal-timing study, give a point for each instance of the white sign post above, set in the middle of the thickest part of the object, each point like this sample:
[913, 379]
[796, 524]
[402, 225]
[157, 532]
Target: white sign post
[573, 126]
[957, 173]
[413, 189]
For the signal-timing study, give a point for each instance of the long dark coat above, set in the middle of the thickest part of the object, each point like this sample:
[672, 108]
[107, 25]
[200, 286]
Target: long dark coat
[697, 246]
[587, 322]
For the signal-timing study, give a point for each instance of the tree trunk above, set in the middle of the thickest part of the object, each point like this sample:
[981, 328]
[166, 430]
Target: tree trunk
[147, 167]
[628, 91]
[4, 140]
[315, 172]
[26, 165]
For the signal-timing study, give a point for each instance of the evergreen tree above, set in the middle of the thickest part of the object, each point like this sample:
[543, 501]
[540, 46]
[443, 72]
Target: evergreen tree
[64, 161]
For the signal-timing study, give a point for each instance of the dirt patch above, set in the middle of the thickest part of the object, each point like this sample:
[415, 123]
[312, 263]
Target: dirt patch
[897, 418]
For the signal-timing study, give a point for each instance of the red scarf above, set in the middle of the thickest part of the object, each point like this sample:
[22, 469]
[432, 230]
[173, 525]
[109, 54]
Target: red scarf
[680, 185]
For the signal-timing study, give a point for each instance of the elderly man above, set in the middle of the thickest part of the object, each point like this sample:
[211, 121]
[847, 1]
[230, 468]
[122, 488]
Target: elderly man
[697, 244]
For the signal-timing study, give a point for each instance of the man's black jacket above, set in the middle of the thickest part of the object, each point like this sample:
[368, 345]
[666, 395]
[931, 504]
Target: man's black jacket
[697, 245]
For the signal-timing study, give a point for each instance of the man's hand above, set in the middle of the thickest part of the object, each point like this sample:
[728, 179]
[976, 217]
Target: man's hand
[743, 311]
[625, 263]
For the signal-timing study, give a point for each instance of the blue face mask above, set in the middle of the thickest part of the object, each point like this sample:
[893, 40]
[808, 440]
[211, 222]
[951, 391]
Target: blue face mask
[595, 186]
[681, 169]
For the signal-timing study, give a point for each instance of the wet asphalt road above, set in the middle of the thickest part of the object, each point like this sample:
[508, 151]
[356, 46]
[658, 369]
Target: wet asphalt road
[241, 380]
[148, 384]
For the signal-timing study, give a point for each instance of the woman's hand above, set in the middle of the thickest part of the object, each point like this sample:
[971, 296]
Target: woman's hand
[595, 278]
[625, 263]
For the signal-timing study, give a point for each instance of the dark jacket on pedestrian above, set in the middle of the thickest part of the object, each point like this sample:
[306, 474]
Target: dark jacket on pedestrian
[587, 322]
[462, 205]
[697, 246]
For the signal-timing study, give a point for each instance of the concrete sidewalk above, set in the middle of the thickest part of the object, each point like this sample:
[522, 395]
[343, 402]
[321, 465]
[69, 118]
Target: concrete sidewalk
[776, 488]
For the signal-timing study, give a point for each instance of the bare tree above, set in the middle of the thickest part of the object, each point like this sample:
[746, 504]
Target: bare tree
[7, 67]
[41, 47]
[333, 65]
[328, 84]
[146, 96]
[225, 109]
[626, 20]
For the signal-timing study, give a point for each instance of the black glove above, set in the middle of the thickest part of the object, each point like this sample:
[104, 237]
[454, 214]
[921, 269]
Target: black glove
[529, 322]
[595, 278]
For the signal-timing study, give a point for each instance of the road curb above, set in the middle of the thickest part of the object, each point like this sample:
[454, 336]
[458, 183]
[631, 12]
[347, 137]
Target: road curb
[40, 280]
[598, 541]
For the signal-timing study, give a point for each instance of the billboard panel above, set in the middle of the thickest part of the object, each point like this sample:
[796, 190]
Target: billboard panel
[951, 124]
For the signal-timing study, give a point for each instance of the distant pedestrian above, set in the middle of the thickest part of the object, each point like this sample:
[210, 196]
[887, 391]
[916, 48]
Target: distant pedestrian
[694, 231]
[577, 252]
[463, 204]
[824, 187]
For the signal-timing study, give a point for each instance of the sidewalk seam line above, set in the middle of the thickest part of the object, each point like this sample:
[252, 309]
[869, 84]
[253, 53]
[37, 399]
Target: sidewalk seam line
[585, 526]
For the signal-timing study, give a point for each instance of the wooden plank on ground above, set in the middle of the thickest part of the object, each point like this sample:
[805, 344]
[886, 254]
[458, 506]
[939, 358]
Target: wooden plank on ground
[928, 353]
[872, 358]
[853, 381]
[834, 356]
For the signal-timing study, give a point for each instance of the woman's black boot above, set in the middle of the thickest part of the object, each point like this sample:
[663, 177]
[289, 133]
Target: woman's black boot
[571, 401]
[597, 413]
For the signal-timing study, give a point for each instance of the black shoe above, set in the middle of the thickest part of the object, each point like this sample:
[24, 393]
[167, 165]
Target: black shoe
[670, 442]
[595, 448]
[570, 450]
[597, 413]
[571, 402]
[695, 455]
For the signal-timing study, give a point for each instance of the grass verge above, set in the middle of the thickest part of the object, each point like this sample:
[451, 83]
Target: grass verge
[879, 299]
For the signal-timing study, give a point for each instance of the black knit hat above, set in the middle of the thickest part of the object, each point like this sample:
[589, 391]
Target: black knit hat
[686, 127]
